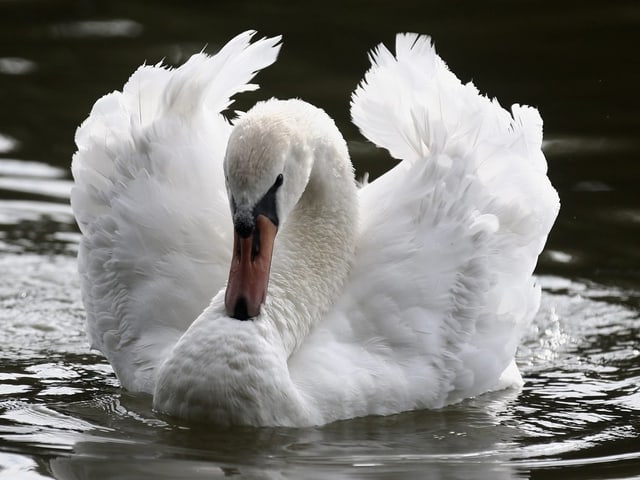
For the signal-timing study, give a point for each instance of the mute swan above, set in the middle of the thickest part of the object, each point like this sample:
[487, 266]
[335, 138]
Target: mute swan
[411, 292]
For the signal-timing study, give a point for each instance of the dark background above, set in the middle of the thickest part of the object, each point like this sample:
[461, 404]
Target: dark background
[576, 61]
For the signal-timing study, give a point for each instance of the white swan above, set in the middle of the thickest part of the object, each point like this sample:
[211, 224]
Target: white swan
[411, 292]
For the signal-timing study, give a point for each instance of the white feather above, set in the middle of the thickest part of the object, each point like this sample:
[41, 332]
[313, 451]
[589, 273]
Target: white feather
[449, 239]
[150, 200]
[412, 292]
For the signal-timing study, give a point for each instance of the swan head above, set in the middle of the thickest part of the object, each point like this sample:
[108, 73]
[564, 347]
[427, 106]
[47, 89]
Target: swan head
[267, 166]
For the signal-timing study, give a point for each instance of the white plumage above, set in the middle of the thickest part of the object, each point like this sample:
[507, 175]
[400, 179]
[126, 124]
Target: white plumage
[412, 292]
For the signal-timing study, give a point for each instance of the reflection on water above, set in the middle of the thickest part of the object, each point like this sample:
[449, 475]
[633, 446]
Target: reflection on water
[15, 66]
[60, 402]
[103, 28]
[35, 214]
[7, 144]
[62, 414]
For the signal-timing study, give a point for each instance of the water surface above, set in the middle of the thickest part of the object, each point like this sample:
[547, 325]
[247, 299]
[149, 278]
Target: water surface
[62, 414]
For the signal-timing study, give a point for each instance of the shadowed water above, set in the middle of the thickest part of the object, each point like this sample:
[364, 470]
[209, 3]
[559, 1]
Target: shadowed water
[62, 414]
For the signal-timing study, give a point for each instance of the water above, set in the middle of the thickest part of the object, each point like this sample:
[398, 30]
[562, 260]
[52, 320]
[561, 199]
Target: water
[62, 414]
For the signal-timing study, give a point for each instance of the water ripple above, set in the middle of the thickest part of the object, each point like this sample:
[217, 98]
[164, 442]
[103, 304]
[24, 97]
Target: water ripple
[98, 28]
[16, 66]
[36, 215]
[579, 361]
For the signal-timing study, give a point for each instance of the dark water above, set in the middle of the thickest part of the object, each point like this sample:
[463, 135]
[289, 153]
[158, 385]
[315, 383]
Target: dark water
[61, 412]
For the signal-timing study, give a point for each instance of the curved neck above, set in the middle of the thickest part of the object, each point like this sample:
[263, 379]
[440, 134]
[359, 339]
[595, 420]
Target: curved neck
[233, 371]
[314, 249]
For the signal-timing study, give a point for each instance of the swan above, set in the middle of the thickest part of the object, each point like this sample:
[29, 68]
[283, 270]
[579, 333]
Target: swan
[238, 273]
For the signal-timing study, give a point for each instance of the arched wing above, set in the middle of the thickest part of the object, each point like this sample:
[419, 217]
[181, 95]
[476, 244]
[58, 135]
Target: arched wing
[441, 289]
[150, 200]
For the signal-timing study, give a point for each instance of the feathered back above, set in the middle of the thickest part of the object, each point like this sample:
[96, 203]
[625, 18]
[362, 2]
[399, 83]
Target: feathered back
[150, 200]
[449, 239]
[415, 107]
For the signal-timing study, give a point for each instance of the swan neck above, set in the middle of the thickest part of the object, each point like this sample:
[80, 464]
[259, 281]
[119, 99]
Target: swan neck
[315, 248]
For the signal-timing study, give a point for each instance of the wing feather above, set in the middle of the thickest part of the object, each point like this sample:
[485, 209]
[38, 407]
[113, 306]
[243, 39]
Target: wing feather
[441, 289]
[150, 201]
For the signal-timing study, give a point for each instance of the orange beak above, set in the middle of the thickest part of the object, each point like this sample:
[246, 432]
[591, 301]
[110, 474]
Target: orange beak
[249, 272]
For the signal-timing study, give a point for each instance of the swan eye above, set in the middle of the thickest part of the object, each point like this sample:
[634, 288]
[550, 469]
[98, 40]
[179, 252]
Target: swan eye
[245, 221]
[278, 182]
[267, 204]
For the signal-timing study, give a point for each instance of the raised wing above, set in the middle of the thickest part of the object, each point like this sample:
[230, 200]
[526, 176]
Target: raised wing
[441, 288]
[151, 203]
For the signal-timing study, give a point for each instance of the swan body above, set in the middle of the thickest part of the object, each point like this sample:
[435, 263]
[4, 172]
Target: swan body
[409, 292]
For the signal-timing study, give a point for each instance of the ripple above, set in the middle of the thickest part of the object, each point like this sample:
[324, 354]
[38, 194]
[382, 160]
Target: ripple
[37, 216]
[7, 144]
[98, 28]
[581, 374]
[34, 178]
[567, 144]
[15, 466]
[25, 168]
[579, 362]
[13, 389]
[50, 188]
[14, 211]
[52, 371]
[43, 416]
[558, 256]
[16, 66]
[35, 292]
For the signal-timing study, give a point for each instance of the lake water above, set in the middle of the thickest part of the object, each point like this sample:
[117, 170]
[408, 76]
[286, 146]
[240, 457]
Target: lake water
[62, 414]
